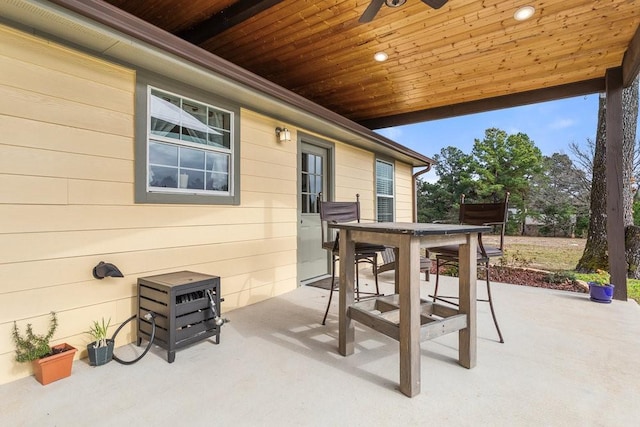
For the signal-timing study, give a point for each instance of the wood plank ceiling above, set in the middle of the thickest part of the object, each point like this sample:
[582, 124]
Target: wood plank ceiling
[463, 53]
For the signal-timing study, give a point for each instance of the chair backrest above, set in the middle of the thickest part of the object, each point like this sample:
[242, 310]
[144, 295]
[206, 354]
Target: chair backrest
[486, 214]
[336, 212]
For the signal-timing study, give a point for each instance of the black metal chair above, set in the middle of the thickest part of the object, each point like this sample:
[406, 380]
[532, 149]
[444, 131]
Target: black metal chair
[340, 212]
[476, 214]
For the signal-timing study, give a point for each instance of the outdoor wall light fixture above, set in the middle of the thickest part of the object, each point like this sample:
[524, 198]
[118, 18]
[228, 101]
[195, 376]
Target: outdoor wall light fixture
[283, 134]
[105, 269]
[523, 13]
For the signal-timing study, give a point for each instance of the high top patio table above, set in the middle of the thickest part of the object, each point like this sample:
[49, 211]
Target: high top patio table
[404, 316]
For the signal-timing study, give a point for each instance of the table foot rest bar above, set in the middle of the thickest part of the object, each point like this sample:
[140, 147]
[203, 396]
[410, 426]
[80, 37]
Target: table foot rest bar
[383, 315]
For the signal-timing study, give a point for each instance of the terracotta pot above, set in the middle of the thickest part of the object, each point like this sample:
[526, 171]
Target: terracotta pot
[52, 368]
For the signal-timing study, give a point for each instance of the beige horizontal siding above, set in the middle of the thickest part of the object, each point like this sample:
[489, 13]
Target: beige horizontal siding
[404, 192]
[50, 55]
[354, 175]
[67, 202]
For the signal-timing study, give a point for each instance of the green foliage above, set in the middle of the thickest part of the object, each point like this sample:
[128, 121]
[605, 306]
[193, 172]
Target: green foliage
[99, 332]
[600, 277]
[506, 163]
[633, 289]
[582, 223]
[561, 277]
[32, 346]
[557, 220]
[636, 212]
[451, 270]
[515, 259]
[440, 201]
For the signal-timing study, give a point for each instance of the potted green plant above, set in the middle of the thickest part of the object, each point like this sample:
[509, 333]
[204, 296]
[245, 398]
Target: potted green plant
[600, 290]
[49, 363]
[101, 350]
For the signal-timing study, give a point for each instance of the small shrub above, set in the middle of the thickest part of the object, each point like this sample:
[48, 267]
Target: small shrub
[99, 332]
[561, 277]
[515, 259]
[32, 346]
[451, 270]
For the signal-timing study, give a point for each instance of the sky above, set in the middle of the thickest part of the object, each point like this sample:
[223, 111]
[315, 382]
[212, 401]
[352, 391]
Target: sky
[552, 126]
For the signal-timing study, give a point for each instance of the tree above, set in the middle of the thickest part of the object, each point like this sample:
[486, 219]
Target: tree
[506, 163]
[595, 251]
[558, 194]
[439, 201]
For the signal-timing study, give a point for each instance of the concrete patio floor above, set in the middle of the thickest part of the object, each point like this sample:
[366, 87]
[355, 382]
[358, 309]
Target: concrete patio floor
[566, 361]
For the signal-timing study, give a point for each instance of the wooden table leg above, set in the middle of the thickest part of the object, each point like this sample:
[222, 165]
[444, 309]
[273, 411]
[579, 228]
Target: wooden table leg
[346, 332]
[467, 288]
[408, 267]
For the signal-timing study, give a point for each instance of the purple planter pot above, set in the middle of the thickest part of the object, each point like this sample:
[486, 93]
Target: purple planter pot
[601, 293]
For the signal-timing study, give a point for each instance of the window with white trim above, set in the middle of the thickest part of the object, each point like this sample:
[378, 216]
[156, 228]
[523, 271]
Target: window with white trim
[189, 146]
[384, 191]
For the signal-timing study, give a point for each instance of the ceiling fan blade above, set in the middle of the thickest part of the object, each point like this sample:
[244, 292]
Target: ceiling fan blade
[436, 4]
[371, 11]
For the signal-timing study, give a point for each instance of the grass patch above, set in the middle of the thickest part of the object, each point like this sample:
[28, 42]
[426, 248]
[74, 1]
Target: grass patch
[633, 289]
[544, 258]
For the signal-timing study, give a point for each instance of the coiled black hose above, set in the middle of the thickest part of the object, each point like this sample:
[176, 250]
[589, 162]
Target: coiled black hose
[149, 316]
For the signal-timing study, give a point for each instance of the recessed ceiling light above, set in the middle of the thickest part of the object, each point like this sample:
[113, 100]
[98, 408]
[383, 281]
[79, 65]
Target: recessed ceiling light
[380, 56]
[523, 13]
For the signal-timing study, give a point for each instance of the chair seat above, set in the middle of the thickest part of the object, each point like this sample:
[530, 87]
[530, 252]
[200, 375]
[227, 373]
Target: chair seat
[451, 251]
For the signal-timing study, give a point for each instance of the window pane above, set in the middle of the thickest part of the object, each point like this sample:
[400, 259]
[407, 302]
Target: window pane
[384, 186]
[219, 119]
[194, 122]
[222, 140]
[312, 164]
[192, 179]
[385, 209]
[163, 154]
[217, 172]
[312, 204]
[218, 162]
[160, 176]
[319, 165]
[190, 158]
[305, 183]
[164, 110]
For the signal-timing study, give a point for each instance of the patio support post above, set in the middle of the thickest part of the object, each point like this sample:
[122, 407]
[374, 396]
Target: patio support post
[615, 215]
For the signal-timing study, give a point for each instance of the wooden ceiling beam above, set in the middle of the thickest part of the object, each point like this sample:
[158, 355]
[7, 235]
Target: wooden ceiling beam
[225, 19]
[506, 101]
[631, 60]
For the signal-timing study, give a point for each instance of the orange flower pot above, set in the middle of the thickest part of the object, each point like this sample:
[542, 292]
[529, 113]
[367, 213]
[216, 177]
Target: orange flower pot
[57, 366]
